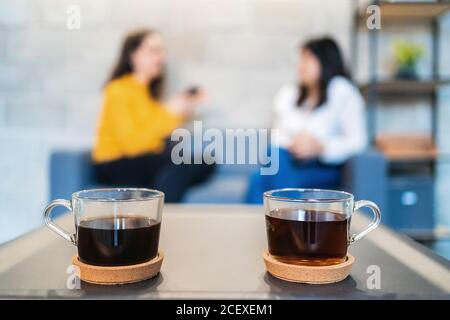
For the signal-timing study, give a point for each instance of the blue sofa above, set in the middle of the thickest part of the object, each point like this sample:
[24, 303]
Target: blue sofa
[364, 175]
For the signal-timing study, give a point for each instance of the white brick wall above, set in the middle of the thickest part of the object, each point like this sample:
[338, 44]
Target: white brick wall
[242, 51]
[19, 13]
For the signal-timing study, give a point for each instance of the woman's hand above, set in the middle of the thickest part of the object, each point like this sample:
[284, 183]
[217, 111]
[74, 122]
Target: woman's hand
[305, 146]
[185, 103]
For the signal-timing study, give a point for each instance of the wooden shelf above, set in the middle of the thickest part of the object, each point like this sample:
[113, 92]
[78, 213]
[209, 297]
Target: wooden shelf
[410, 10]
[410, 155]
[404, 147]
[405, 86]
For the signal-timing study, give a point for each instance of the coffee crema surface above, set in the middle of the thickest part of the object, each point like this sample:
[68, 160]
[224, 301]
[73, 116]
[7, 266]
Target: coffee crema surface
[307, 237]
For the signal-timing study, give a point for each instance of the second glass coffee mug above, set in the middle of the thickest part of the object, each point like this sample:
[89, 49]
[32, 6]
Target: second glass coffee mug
[113, 227]
[312, 226]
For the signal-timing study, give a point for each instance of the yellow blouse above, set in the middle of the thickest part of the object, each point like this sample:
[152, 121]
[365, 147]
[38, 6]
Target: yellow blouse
[131, 122]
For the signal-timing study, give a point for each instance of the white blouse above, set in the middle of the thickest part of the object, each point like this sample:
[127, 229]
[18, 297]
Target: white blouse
[339, 124]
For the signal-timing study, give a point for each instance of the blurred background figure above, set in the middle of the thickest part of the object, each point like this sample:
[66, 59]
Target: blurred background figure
[321, 122]
[132, 146]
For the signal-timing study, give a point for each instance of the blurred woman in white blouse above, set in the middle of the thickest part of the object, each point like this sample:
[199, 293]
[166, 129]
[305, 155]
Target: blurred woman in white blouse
[321, 123]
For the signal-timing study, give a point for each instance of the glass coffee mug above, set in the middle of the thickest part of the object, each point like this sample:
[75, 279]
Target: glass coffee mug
[312, 226]
[113, 227]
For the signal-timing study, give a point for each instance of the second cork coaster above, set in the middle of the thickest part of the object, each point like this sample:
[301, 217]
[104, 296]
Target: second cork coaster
[308, 274]
[120, 274]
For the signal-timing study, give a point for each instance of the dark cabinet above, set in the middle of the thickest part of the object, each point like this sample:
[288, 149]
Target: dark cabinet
[410, 202]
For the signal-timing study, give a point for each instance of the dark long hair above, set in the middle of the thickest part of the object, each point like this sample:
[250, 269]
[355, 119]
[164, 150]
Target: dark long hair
[331, 62]
[124, 65]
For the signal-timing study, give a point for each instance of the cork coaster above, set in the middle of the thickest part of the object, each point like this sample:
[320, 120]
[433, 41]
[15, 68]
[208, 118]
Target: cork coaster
[308, 274]
[120, 274]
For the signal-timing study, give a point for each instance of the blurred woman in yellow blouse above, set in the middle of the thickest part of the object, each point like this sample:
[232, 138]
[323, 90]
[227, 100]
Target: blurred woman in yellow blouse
[132, 146]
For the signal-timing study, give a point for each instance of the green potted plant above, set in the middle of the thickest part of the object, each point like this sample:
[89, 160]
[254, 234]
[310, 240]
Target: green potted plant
[407, 55]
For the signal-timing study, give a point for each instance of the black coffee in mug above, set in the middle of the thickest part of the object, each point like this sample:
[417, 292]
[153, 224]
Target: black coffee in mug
[307, 237]
[114, 226]
[312, 226]
[117, 241]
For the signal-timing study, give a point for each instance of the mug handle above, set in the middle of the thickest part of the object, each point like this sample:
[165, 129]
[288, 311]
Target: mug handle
[372, 225]
[54, 227]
